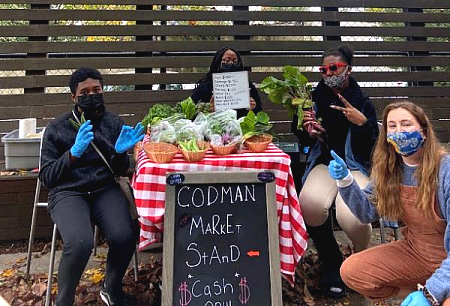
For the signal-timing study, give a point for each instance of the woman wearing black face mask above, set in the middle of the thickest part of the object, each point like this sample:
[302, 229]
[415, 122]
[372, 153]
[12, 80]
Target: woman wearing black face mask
[226, 60]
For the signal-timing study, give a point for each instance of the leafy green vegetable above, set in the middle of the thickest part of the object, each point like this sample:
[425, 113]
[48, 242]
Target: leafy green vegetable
[156, 113]
[202, 107]
[294, 92]
[187, 107]
[255, 124]
[75, 124]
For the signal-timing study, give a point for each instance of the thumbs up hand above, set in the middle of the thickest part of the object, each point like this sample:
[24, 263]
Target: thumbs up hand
[337, 168]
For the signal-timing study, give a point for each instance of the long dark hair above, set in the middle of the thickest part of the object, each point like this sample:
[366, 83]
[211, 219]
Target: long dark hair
[215, 64]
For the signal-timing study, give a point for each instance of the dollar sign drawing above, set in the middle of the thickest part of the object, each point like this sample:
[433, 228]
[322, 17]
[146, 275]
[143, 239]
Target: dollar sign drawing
[244, 296]
[185, 295]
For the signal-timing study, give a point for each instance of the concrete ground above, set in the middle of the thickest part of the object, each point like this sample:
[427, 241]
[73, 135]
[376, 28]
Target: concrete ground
[40, 264]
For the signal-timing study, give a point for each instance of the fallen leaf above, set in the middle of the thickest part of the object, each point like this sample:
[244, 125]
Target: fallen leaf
[39, 288]
[21, 260]
[97, 277]
[308, 298]
[9, 272]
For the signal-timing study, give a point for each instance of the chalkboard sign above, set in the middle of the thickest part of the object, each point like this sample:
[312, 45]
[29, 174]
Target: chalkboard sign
[221, 240]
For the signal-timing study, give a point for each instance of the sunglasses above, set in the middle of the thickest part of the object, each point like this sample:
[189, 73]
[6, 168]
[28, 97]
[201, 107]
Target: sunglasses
[332, 67]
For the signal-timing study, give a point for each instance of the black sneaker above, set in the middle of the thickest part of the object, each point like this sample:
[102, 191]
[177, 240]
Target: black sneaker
[118, 298]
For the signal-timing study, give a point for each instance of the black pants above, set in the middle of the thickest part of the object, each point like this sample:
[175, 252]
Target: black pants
[326, 244]
[73, 213]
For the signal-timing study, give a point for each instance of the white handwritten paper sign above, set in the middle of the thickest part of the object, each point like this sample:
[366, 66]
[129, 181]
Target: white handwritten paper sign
[231, 90]
[221, 240]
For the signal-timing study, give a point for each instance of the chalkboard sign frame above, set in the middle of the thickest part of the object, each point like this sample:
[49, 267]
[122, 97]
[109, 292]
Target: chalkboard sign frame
[221, 177]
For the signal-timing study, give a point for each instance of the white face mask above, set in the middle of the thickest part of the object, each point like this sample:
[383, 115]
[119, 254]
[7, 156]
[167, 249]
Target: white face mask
[336, 81]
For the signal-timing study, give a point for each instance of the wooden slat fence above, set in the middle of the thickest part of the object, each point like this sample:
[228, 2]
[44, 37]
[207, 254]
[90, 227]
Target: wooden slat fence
[155, 53]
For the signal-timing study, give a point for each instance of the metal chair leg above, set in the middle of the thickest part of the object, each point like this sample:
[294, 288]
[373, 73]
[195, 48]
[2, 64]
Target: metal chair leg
[33, 224]
[50, 268]
[95, 239]
[397, 233]
[136, 265]
[382, 232]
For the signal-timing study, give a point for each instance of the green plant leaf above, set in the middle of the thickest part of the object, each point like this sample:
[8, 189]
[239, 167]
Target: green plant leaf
[300, 115]
[262, 117]
[247, 126]
[74, 124]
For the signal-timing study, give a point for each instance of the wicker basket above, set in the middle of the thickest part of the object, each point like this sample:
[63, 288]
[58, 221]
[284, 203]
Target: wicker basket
[192, 156]
[223, 150]
[137, 149]
[259, 143]
[160, 152]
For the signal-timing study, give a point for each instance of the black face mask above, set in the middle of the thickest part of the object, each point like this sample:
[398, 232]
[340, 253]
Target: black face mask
[92, 105]
[228, 67]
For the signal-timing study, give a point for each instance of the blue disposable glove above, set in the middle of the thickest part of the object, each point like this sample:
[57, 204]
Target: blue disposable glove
[415, 298]
[337, 167]
[84, 138]
[128, 137]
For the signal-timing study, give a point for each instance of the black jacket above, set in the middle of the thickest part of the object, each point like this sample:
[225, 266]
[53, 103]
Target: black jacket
[336, 125]
[89, 172]
[203, 92]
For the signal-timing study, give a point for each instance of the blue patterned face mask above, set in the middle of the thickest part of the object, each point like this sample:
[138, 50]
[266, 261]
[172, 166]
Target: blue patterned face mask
[405, 143]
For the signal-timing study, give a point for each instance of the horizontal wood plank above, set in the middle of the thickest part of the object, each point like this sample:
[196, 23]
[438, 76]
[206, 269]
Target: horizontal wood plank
[214, 15]
[180, 30]
[195, 46]
[280, 3]
[192, 78]
[14, 234]
[186, 61]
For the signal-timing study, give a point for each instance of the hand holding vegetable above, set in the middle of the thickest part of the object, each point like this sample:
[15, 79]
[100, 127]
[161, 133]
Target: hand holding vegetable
[294, 92]
[128, 137]
[353, 115]
[83, 139]
[311, 125]
[337, 168]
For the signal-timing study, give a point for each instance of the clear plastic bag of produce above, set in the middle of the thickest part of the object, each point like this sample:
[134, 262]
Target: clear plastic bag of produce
[217, 121]
[186, 129]
[163, 132]
[223, 128]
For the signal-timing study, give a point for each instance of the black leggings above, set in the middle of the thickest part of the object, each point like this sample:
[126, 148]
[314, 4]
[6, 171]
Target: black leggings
[73, 213]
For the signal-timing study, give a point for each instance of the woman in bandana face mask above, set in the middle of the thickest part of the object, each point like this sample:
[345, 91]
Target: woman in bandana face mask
[226, 60]
[348, 126]
[410, 181]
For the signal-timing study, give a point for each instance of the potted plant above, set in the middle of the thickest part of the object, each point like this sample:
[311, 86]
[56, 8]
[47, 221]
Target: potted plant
[256, 131]
[294, 92]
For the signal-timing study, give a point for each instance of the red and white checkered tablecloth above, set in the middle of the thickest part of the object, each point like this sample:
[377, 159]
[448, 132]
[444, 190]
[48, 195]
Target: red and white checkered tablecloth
[149, 184]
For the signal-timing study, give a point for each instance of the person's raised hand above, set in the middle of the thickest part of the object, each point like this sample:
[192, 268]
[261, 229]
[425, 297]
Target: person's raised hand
[212, 107]
[415, 298]
[337, 168]
[310, 124]
[353, 115]
[83, 139]
[252, 104]
[129, 137]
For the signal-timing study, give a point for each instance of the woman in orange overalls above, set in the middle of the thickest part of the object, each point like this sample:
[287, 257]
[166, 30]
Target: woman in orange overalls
[410, 181]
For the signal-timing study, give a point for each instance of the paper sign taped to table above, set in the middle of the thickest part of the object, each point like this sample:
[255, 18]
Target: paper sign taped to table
[231, 90]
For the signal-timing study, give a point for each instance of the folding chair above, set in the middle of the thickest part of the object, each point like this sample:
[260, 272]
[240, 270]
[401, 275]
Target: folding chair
[38, 204]
[393, 225]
